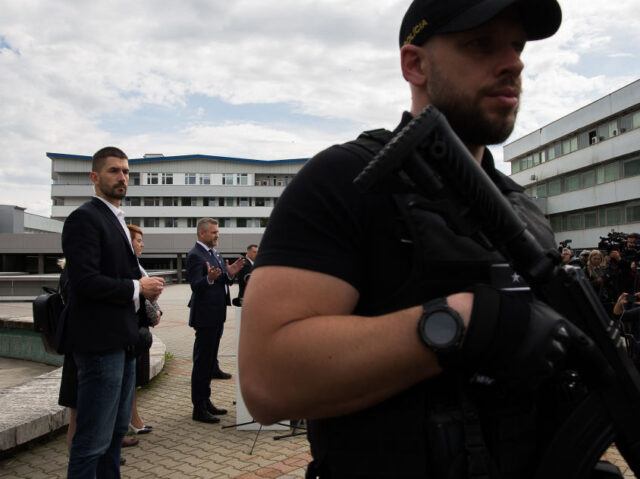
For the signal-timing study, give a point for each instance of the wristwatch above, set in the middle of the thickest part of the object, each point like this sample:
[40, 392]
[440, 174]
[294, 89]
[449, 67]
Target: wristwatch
[441, 329]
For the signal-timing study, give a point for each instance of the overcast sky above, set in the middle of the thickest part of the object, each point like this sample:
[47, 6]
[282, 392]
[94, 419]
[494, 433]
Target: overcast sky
[248, 78]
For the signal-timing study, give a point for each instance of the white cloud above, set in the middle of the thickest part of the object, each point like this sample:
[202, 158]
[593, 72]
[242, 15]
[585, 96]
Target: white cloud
[67, 67]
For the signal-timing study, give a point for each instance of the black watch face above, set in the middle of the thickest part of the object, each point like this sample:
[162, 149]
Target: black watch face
[441, 328]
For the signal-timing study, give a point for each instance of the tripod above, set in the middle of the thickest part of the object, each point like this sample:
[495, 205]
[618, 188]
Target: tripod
[295, 425]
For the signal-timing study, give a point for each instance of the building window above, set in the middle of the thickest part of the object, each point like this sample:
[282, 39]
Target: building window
[205, 178]
[152, 178]
[555, 187]
[264, 222]
[227, 178]
[515, 167]
[603, 132]
[631, 167]
[134, 221]
[170, 201]
[208, 201]
[633, 212]
[171, 222]
[588, 179]
[152, 201]
[611, 172]
[557, 149]
[573, 183]
[541, 190]
[152, 222]
[583, 140]
[167, 178]
[575, 222]
[224, 222]
[229, 201]
[626, 123]
[134, 179]
[243, 202]
[574, 143]
[192, 222]
[189, 178]
[133, 201]
[614, 216]
[613, 128]
[261, 201]
[591, 219]
[188, 201]
[242, 179]
[550, 153]
[241, 222]
[636, 119]
[556, 223]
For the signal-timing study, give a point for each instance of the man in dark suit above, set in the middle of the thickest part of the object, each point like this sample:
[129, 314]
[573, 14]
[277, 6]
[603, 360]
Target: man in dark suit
[210, 277]
[245, 273]
[101, 322]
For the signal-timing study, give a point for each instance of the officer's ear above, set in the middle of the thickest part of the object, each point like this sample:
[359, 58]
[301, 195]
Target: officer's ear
[414, 64]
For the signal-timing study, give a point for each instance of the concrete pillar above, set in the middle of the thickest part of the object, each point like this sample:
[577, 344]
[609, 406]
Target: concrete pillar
[179, 267]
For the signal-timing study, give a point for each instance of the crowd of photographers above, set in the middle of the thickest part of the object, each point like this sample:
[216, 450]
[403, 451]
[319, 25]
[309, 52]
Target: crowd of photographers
[612, 269]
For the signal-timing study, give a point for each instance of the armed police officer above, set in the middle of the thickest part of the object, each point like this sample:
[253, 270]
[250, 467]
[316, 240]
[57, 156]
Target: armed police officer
[337, 330]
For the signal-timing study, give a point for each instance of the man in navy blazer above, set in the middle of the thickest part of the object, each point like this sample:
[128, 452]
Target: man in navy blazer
[100, 318]
[245, 273]
[210, 277]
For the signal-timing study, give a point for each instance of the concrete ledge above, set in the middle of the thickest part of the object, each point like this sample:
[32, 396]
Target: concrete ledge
[31, 410]
[18, 340]
[17, 322]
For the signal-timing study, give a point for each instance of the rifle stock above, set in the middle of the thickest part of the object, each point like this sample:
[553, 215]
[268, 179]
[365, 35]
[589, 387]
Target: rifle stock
[435, 160]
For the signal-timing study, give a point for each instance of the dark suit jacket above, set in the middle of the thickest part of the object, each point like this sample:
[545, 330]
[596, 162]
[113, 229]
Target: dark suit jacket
[208, 302]
[243, 277]
[100, 313]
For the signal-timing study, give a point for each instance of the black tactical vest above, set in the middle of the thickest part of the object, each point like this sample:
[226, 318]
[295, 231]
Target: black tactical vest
[440, 427]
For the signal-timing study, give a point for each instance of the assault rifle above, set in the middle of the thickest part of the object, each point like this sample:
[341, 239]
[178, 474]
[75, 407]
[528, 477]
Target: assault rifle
[429, 154]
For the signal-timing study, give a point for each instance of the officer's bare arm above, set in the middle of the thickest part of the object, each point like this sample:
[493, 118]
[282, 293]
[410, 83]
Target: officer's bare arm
[303, 354]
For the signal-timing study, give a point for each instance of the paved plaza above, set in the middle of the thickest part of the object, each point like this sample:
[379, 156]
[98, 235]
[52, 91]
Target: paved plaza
[178, 446]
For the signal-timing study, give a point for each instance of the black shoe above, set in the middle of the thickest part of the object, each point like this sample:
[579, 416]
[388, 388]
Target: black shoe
[220, 375]
[211, 409]
[203, 415]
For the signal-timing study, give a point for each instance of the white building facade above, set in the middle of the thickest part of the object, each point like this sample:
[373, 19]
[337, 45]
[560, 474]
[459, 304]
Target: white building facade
[167, 195]
[584, 169]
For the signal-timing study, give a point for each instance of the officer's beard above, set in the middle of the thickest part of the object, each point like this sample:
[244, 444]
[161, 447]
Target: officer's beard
[465, 114]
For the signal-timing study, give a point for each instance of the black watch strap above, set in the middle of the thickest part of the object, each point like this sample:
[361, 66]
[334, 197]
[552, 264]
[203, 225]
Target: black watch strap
[448, 354]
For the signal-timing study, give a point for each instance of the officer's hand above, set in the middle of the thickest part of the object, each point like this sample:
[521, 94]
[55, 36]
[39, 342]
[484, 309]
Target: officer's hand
[517, 341]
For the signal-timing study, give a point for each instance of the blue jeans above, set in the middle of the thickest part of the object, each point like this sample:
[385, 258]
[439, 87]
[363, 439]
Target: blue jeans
[105, 402]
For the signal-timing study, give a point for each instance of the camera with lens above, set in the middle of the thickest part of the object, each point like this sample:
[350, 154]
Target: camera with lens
[563, 244]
